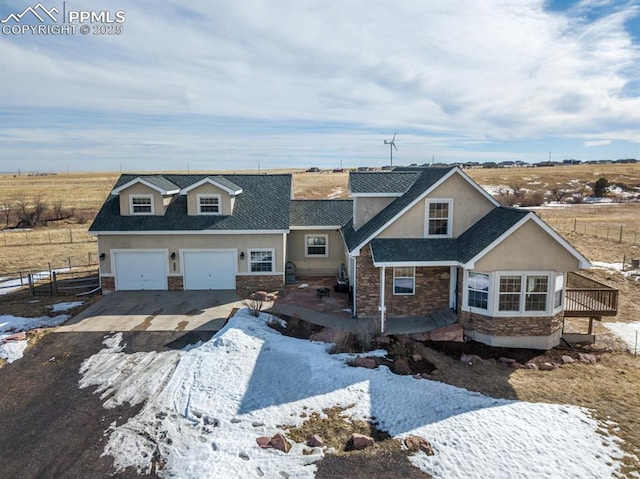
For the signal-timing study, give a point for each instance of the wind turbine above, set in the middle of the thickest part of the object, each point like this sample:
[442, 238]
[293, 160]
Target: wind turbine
[392, 145]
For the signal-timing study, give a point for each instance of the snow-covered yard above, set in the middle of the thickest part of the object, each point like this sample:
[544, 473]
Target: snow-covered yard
[204, 408]
[12, 350]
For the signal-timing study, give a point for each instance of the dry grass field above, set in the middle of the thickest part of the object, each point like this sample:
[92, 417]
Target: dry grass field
[611, 388]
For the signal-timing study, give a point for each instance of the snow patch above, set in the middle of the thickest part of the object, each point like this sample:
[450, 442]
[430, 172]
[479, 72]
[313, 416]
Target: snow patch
[205, 407]
[59, 307]
[13, 350]
[629, 333]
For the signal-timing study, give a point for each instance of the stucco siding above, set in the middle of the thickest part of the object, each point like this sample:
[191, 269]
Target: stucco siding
[175, 243]
[140, 189]
[367, 208]
[529, 248]
[208, 189]
[315, 266]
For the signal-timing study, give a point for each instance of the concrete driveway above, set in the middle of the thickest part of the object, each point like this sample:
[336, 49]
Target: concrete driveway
[156, 311]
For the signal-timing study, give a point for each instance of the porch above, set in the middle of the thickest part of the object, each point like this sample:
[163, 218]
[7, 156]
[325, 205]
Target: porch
[587, 298]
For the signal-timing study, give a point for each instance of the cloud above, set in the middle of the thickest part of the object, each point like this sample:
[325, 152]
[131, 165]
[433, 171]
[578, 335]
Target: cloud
[590, 144]
[467, 70]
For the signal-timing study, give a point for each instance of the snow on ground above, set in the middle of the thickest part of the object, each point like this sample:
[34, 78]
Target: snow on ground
[633, 273]
[13, 350]
[204, 408]
[59, 307]
[9, 285]
[628, 332]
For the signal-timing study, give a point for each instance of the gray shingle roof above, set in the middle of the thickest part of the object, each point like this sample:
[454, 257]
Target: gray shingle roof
[264, 204]
[225, 182]
[320, 212]
[458, 250]
[156, 180]
[382, 181]
[425, 180]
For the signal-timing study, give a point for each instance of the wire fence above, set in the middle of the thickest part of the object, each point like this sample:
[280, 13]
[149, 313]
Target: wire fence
[622, 234]
[45, 237]
[78, 274]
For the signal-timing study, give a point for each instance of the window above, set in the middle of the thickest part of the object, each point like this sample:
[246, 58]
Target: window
[536, 294]
[478, 289]
[209, 205]
[509, 293]
[559, 291]
[439, 218]
[261, 260]
[141, 204]
[404, 280]
[316, 245]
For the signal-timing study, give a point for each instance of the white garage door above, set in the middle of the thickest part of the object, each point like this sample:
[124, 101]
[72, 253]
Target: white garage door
[209, 269]
[141, 270]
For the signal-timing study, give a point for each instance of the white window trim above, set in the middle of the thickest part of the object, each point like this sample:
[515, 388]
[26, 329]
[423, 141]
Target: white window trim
[139, 196]
[428, 202]
[326, 246]
[273, 261]
[494, 291]
[413, 277]
[555, 290]
[206, 213]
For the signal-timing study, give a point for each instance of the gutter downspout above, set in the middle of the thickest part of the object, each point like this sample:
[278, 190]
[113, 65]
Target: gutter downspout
[382, 308]
[354, 291]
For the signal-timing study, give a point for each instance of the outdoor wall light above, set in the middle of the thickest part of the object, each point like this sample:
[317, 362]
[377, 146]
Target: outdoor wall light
[173, 255]
[242, 255]
[102, 256]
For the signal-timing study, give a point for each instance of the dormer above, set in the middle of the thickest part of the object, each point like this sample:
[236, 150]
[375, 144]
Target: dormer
[374, 191]
[145, 196]
[213, 195]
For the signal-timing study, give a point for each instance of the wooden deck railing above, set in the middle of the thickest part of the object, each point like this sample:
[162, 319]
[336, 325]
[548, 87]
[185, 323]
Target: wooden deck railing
[593, 301]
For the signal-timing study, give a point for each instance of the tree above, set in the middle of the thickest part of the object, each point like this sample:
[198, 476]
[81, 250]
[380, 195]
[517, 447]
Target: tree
[7, 210]
[600, 187]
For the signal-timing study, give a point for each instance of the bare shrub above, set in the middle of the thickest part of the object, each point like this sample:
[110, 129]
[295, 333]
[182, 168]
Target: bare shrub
[6, 207]
[532, 199]
[254, 302]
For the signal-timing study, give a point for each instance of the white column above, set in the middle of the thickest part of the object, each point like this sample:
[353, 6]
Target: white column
[382, 306]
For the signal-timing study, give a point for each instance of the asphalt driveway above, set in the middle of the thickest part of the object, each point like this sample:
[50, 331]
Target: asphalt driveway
[156, 311]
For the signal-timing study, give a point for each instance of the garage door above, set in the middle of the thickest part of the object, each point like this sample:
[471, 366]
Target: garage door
[141, 270]
[209, 269]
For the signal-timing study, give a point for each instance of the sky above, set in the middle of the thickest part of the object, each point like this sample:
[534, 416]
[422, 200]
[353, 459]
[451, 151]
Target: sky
[244, 84]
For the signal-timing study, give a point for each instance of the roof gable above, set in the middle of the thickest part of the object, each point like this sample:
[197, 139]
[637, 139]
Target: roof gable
[218, 181]
[155, 182]
[381, 183]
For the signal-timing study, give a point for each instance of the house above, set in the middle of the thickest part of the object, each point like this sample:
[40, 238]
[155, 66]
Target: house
[415, 242]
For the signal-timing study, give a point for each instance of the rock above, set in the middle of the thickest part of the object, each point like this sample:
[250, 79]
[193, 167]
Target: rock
[568, 359]
[548, 367]
[516, 365]
[531, 366]
[471, 358]
[369, 363]
[280, 443]
[382, 340]
[588, 358]
[417, 443]
[419, 337]
[315, 441]
[401, 366]
[329, 335]
[506, 360]
[360, 441]
[264, 442]
[453, 332]
[22, 336]
[416, 357]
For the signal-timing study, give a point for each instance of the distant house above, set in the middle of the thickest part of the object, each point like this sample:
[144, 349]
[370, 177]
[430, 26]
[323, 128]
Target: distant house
[414, 242]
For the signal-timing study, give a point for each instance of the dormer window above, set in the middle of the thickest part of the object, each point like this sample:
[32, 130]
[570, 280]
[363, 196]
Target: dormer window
[438, 221]
[141, 204]
[209, 205]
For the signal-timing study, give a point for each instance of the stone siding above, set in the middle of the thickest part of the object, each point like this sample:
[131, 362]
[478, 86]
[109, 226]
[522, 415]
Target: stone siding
[175, 283]
[108, 284]
[431, 290]
[246, 284]
[511, 326]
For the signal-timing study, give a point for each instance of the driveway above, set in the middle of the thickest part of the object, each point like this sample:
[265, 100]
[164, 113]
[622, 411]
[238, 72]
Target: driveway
[156, 311]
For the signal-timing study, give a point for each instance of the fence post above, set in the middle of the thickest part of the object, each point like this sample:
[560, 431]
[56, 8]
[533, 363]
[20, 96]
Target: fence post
[31, 288]
[575, 224]
[620, 240]
[54, 284]
[70, 236]
[51, 274]
[69, 259]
